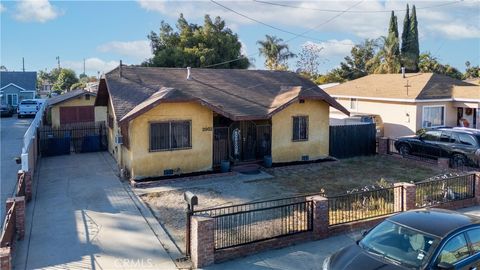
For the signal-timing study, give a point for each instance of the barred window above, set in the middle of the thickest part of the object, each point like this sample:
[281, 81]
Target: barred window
[300, 128]
[171, 135]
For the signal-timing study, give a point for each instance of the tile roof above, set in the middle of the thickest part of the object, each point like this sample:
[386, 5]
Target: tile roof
[69, 95]
[421, 86]
[234, 93]
[26, 80]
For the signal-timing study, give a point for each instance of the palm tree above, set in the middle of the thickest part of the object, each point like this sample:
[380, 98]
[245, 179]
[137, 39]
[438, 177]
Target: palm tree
[276, 52]
[387, 59]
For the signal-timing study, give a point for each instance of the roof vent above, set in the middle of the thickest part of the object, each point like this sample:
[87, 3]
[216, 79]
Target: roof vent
[120, 69]
[403, 72]
[188, 73]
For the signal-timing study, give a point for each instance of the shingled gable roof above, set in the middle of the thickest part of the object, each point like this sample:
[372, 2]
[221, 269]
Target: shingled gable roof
[421, 86]
[236, 94]
[67, 96]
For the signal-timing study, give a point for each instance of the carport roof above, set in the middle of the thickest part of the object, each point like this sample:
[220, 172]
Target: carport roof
[234, 93]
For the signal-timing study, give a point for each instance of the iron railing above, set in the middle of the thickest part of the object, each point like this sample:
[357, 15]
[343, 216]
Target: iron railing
[439, 191]
[363, 205]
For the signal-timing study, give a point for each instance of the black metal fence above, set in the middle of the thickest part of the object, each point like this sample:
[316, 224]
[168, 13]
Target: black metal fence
[77, 138]
[352, 140]
[252, 222]
[439, 191]
[363, 205]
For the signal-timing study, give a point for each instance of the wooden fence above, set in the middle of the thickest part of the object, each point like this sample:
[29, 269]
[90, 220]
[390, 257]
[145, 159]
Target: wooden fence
[352, 140]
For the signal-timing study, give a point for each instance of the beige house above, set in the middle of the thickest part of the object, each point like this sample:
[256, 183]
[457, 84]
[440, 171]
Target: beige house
[411, 102]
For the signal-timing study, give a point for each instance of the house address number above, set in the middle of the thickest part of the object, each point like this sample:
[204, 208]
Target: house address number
[207, 129]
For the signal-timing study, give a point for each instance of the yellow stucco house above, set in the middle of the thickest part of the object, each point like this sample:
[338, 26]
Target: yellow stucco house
[411, 102]
[172, 120]
[76, 106]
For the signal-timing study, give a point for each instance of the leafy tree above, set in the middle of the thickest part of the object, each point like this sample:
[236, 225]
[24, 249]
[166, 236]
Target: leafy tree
[196, 46]
[309, 59]
[359, 63]
[410, 45]
[471, 71]
[78, 85]
[429, 63]
[65, 80]
[335, 75]
[387, 59]
[393, 35]
[405, 36]
[276, 53]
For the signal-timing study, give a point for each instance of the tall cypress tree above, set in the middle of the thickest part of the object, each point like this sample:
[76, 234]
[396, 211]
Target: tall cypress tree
[405, 34]
[393, 34]
[413, 46]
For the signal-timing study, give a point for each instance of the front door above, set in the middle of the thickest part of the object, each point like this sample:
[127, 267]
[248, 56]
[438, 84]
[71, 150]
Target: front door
[243, 140]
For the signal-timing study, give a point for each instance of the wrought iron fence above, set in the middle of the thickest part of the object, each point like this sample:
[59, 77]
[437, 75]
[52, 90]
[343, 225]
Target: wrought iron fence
[439, 191]
[363, 205]
[258, 221]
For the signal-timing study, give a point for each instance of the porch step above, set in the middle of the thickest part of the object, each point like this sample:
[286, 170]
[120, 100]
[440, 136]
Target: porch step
[247, 168]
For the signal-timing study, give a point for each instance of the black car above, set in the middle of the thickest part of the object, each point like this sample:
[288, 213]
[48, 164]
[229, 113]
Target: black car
[461, 145]
[418, 239]
[6, 110]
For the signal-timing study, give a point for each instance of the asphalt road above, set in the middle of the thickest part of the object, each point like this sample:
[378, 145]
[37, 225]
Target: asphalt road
[11, 142]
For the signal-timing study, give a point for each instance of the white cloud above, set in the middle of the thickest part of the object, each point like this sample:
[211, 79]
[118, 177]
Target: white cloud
[92, 65]
[335, 47]
[363, 25]
[36, 10]
[243, 49]
[457, 30]
[138, 49]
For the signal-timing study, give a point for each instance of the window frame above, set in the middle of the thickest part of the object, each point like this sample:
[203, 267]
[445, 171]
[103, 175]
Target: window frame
[435, 259]
[13, 99]
[434, 106]
[354, 101]
[306, 128]
[169, 122]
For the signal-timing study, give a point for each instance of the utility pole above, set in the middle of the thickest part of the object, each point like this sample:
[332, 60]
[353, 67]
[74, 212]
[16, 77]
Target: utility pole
[58, 61]
[23, 64]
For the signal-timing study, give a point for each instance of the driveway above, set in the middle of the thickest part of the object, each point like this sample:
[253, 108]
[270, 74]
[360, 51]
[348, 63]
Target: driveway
[11, 143]
[82, 217]
[306, 256]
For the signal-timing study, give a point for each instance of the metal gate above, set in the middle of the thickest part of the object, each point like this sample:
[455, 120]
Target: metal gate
[77, 138]
[220, 145]
[243, 140]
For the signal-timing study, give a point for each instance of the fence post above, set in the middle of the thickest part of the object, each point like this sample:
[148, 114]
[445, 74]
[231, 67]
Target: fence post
[321, 218]
[5, 258]
[477, 188]
[383, 146]
[405, 199]
[202, 243]
[19, 214]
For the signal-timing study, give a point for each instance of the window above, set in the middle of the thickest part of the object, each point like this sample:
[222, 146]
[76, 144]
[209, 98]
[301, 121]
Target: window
[466, 139]
[87, 97]
[300, 128]
[171, 135]
[447, 137]
[433, 116]
[431, 136]
[474, 236]
[12, 99]
[455, 250]
[353, 103]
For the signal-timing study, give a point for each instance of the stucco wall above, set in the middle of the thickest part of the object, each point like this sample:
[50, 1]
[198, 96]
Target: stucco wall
[101, 114]
[450, 113]
[284, 149]
[400, 119]
[199, 158]
[78, 101]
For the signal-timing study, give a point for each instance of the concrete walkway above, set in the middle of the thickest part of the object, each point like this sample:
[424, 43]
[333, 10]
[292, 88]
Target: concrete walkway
[81, 217]
[307, 256]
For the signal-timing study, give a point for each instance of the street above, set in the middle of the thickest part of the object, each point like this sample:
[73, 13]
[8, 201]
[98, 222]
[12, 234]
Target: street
[11, 142]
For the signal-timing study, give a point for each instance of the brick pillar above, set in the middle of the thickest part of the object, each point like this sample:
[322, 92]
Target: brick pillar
[28, 186]
[407, 197]
[19, 214]
[320, 216]
[443, 163]
[477, 188]
[383, 146]
[5, 258]
[202, 241]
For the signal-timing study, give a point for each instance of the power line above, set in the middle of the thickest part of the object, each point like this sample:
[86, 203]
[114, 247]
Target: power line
[350, 11]
[282, 30]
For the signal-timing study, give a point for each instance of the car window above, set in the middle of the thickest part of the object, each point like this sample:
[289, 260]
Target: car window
[367, 119]
[454, 250]
[474, 236]
[447, 137]
[28, 102]
[466, 139]
[431, 135]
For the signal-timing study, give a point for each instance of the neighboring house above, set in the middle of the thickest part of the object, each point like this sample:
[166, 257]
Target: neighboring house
[416, 101]
[76, 106]
[164, 120]
[16, 86]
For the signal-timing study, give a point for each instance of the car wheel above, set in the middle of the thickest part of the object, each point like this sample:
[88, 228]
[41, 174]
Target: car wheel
[404, 150]
[459, 160]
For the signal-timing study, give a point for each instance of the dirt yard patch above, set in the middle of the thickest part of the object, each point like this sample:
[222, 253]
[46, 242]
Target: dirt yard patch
[167, 204]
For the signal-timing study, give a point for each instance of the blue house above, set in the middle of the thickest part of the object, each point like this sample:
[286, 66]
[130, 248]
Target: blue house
[16, 86]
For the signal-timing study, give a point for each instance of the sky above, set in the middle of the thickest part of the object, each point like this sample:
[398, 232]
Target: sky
[104, 32]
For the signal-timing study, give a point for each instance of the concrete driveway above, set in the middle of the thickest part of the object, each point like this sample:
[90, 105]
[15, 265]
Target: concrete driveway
[11, 143]
[307, 256]
[82, 217]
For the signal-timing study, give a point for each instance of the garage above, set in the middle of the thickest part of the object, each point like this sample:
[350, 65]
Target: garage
[77, 114]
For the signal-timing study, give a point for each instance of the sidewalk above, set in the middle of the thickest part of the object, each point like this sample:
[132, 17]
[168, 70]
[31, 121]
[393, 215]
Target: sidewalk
[81, 217]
